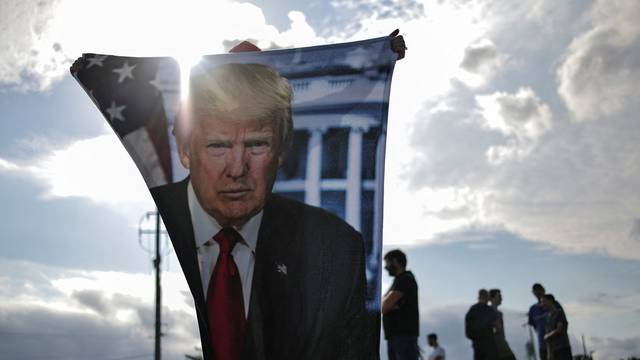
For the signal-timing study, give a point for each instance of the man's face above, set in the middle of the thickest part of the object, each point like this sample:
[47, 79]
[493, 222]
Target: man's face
[431, 342]
[233, 167]
[538, 292]
[392, 266]
[497, 299]
[546, 303]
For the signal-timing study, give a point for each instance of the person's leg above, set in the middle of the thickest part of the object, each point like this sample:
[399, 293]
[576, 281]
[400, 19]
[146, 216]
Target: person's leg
[562, 354]
[543, 353]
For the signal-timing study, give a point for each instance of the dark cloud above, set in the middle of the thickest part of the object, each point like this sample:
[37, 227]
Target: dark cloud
[450, 146]
[600, 69]
[67, 111]
[33, 332]
[69, 232]
[37, 320]
[94, 300]
[477, 56]
[520, 109]
[345, 17]
[574, 186]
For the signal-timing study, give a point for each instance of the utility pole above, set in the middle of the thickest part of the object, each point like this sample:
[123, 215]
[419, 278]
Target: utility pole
[156, 263]
[157, 260]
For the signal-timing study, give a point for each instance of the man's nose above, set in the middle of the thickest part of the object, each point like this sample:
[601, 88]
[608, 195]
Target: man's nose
[237, 164]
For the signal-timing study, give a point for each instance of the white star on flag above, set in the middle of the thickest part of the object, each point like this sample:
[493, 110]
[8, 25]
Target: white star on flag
[115, 112]
[156, 82]
[96, 60]
[125, 71]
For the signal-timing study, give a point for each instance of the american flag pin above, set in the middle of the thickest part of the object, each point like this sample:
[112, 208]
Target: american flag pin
[281, 268]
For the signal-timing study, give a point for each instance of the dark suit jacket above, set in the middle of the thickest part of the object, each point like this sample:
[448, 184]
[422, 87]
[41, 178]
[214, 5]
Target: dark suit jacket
[314, 311]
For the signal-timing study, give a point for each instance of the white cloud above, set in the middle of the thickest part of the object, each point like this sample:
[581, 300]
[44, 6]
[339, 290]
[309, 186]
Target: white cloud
[39, 49]
[201, 27]
[613, 348]
[299, 34]
[521, 117]
[31, 57]
[480, 63]
[98, 168]
[6, 165]
[604, 305]
[521, 162]
[65, 312]
[601, 68]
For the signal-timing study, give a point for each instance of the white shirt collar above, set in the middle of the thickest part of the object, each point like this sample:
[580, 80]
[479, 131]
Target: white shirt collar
[205, 226]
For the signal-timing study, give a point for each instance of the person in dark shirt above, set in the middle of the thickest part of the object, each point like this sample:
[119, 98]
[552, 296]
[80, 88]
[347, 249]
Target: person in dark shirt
[538, 318]
[504, 350]
[480, 323]
[400, 309]
[556, 336]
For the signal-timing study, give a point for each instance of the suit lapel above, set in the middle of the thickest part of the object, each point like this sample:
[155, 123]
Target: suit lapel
[276, 286]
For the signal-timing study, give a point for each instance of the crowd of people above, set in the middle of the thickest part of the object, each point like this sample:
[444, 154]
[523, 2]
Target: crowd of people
[483, 323]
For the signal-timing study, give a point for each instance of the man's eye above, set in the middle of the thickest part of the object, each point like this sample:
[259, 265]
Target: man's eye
[217, 149]
[258, 147]
[258, 143]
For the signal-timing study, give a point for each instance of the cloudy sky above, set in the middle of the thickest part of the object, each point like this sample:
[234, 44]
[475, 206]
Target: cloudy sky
[513, 157]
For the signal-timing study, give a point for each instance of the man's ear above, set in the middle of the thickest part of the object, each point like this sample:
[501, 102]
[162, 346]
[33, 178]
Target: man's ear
[183, 151]
[281, 158]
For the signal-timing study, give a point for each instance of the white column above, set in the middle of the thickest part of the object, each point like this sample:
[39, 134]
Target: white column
[354, 177]
[314, 167]
[378, 199]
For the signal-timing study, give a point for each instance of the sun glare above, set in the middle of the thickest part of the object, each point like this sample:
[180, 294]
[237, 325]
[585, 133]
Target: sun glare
[186, 61]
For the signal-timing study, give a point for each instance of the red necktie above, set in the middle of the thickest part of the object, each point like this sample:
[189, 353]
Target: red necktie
[225, 302]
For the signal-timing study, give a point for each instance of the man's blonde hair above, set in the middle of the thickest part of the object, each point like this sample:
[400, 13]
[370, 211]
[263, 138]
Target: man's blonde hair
[252, 93]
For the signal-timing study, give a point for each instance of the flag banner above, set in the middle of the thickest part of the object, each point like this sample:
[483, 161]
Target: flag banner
[267, 168]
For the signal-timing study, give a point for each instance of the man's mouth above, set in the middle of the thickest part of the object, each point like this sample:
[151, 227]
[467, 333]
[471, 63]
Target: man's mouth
[235, 193]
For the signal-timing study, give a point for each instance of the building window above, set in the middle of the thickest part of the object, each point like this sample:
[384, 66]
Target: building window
[369, 151]
[300, 86]
[366, 219]
[340, 83]
[335, 143]
[295, 162]
[334, 202]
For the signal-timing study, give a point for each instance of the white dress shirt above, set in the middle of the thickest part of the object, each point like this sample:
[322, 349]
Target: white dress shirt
[244, 253]
[437, 351]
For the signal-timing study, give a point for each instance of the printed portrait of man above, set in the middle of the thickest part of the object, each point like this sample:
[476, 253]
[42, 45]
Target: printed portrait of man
[271, 277]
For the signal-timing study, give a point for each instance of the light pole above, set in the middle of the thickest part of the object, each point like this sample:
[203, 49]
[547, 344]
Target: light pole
[156, 264]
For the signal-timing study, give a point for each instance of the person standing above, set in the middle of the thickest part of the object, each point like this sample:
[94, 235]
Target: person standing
[400, 309]
[504, 351]
[556, 336]
[438, 351]
[538, 318]
[479, 324]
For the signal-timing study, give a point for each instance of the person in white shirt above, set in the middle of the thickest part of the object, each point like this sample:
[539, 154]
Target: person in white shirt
[438, 351]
